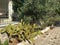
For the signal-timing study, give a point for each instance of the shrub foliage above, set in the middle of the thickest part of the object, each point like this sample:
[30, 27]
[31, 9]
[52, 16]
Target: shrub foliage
[37, 10]
[21, 31]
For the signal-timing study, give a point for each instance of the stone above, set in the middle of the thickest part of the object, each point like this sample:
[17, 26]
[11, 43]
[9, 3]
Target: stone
[38, 36]
[14, 40]
[45, 30]
[3, 37]
[22, 43]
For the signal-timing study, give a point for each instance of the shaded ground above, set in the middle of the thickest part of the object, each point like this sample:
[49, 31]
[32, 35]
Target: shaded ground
[52, 37]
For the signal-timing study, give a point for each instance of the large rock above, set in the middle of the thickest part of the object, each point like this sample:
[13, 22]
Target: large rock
[3, 37]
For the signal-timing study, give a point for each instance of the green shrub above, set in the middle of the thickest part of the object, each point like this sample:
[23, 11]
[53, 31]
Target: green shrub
[33, 10]
[0, 42]
[48, 21]
[5, 43]
[21, 31]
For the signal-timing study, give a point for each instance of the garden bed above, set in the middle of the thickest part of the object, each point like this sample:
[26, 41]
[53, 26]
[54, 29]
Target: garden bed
[22, 32]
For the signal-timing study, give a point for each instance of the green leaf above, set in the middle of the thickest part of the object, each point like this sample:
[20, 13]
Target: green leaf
[0, 42]
[6, 42]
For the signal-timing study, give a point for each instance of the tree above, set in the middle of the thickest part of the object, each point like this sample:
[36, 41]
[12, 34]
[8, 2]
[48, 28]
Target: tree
[33, 10]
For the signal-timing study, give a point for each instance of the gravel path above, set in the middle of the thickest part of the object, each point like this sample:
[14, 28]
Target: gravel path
[52, 37]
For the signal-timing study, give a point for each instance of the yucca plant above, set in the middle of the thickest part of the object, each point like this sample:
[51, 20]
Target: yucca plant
[21, 31]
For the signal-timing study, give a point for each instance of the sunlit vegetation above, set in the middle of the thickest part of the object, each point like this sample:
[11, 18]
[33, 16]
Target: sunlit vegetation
[21, 31]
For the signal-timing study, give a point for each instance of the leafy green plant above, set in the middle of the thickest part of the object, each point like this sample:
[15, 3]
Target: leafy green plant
[6, 42]
[21, 31]
[33, 10]
[0, 42]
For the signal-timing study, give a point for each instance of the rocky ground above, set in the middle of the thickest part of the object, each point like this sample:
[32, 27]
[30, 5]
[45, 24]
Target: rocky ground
[52, 37]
